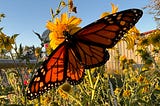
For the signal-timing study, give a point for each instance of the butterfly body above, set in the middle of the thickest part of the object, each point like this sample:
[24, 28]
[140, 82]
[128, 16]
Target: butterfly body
[83, 50]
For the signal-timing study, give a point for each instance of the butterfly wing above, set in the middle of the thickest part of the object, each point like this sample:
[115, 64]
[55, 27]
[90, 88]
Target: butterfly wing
[75, 71]
[89, 54]
[50, 74]
[61, 66]
[104, 33]
[109, 30]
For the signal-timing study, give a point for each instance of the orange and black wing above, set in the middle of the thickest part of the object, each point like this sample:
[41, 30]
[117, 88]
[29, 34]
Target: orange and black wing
[104, 33]
[89, 54]
[61, 66]
[50, 74]
[75, 70]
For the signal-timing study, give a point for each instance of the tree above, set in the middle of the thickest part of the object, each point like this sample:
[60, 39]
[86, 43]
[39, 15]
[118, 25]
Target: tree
[154, 8]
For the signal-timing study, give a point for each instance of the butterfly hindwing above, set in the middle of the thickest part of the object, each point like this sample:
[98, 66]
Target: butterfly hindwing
[75, 70]
[90, 55]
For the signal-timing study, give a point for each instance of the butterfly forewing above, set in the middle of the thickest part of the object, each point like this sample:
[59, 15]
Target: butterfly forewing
[51, 74]
[110, 29]
[62, 65]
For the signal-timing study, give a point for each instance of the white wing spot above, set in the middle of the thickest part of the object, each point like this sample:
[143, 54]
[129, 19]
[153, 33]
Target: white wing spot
[114, 15]
[124, 28]
[111, 22]
[135, 11]
[105, 18]
[31, 94]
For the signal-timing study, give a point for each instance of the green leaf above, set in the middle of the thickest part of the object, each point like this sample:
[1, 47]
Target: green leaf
[156, 91]
[141, 101]
[14, 36]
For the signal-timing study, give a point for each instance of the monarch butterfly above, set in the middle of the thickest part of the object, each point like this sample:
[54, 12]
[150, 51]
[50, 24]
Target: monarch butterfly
[83, 50]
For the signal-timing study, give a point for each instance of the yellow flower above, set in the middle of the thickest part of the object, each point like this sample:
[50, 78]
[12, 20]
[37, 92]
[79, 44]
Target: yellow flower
[157, 86]
[117, 91]
[140, 79]
[126, 93]
[144, 89]
[114, 8]
[37, 51]
[58, 26]
[123, 58]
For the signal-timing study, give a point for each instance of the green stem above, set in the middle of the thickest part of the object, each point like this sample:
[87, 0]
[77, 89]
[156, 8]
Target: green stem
[91, 83]
[90, 79]
[95, 85]
[73, 98]
[82, 89]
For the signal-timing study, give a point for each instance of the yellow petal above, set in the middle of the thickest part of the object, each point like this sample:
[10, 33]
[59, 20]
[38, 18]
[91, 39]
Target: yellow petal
[74, 20]
[64, 18]
[114, 8]
[52, 36]
[56, 21]
[50, 25]
[104, 14]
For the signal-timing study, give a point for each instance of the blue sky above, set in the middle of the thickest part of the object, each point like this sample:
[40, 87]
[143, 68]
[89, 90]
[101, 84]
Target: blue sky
[24, 16]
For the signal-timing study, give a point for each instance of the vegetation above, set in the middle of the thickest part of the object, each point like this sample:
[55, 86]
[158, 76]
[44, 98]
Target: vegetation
[131, 85]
